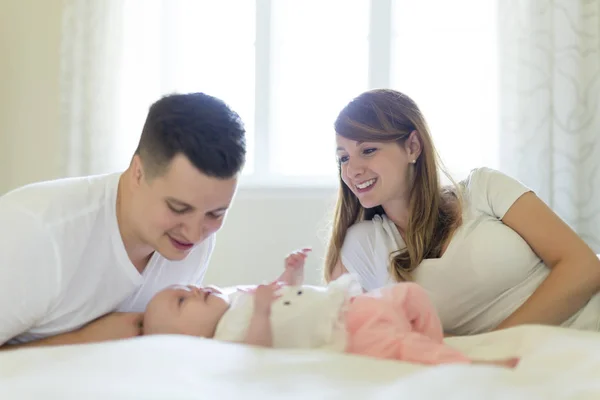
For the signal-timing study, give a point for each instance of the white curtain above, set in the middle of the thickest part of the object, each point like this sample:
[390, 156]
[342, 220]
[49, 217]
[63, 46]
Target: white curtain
[118, 57]
[550, 112]
[91, 54]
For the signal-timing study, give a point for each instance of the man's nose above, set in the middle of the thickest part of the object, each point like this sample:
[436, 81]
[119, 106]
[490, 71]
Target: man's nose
[195, 231]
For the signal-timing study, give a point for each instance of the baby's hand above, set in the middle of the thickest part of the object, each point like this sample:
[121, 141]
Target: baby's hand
[264, 296]
[293, 273]
[296, 259]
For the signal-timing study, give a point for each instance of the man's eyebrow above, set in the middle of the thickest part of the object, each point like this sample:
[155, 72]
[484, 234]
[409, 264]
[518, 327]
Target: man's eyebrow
[179, 202]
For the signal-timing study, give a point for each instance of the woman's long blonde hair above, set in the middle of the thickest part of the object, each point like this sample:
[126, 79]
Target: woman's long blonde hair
[384, 115]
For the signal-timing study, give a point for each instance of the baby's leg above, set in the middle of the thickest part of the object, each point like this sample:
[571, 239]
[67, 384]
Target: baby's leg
[507, 363]
[420, 311]
[398, 322]
[424, 319]
[411, 302]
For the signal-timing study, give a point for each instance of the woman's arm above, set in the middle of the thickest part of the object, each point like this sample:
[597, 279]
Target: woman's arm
[338, 270]
[575, 269]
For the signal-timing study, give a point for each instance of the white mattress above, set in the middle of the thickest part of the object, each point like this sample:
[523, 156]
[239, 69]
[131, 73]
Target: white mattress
[557, 364]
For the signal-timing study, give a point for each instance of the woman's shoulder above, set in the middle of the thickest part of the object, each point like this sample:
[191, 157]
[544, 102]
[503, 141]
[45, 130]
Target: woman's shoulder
[374, 233]
[366, 250]
[490, 190]
[482, 177]
[369, 228]
[479, 176]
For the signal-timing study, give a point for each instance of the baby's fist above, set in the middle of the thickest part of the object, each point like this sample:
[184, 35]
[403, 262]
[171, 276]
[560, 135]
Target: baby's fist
[293, 273]
[265, 295]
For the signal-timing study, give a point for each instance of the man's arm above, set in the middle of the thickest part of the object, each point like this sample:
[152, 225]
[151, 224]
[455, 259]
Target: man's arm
[109, 327]
[30, 281]
[29, 271]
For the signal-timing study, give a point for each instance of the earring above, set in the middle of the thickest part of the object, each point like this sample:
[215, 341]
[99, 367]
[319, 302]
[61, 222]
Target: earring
[414, 161]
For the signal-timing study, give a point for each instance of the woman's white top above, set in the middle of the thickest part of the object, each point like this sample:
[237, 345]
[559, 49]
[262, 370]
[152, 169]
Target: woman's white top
[487, 271]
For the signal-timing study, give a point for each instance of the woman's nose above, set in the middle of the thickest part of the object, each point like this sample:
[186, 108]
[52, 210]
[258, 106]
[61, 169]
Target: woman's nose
[355, 168]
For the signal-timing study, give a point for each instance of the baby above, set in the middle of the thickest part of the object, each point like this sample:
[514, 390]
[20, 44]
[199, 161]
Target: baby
[395, 322]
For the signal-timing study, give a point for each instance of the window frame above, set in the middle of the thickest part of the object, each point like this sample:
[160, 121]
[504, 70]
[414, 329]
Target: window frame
[379, 75]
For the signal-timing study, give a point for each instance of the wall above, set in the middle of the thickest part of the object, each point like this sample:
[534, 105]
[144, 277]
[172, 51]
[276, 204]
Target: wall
[262, 227]
[29, 91]
[265, 225]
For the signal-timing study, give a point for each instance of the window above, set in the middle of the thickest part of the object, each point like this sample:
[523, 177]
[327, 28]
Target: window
[187, 46]
[319, 62]
[289, 66]
[444, 57]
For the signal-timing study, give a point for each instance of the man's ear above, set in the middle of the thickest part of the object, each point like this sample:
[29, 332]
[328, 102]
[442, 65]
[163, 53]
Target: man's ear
[413, 146]
[137, 168]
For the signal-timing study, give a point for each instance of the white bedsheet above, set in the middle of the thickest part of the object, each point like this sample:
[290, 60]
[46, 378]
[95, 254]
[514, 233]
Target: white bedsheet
[556, 364]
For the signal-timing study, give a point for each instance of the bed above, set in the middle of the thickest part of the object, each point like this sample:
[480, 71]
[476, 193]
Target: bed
[556, 364]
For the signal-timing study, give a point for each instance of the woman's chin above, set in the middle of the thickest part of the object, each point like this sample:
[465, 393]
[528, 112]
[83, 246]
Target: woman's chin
[368, 202]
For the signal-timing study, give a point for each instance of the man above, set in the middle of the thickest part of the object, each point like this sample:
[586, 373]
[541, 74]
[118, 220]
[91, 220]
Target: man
[75, 250]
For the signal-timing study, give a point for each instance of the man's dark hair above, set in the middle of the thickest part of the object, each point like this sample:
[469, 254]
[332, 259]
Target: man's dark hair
[201, 127]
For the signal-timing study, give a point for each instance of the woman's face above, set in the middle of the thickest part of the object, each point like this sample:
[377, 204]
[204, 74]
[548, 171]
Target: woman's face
[376, 172]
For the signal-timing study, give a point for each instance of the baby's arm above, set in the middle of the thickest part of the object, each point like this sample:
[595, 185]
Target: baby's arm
[260, 332]
[293, 273]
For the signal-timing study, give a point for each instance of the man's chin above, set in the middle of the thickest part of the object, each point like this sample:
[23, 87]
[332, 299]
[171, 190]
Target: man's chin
[172, 251]
[174, 254]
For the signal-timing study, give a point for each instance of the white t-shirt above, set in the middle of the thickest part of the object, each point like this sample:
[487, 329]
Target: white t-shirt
[487, 270]
[63, 262]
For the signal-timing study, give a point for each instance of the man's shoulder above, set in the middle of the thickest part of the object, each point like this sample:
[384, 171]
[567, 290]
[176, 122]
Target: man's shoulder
[60, 199]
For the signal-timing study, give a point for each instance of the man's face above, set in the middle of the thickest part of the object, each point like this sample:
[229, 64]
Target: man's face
[180, 208]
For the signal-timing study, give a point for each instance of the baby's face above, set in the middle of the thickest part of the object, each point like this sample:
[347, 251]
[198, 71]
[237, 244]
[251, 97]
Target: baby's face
[186, 310]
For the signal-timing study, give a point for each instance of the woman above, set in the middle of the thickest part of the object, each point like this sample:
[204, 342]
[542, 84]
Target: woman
[488, 251]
